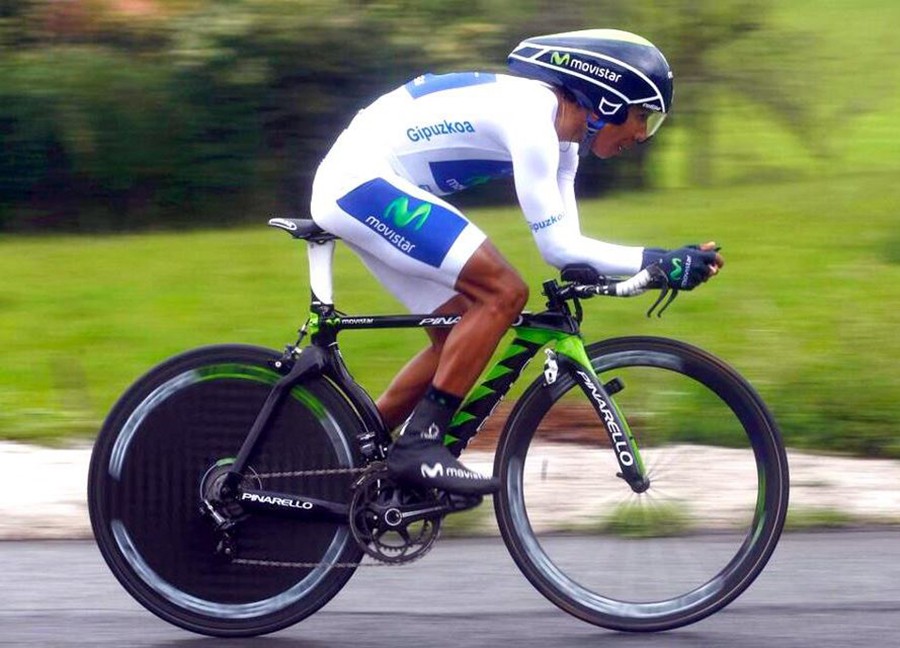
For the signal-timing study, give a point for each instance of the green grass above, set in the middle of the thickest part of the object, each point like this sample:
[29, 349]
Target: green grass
[811, 519]
[478, 521]
[807, 306]
[842, 67]
[638, 521]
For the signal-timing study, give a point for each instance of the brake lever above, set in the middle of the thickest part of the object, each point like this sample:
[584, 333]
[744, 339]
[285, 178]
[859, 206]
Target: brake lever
[665, 290]
[673, 294]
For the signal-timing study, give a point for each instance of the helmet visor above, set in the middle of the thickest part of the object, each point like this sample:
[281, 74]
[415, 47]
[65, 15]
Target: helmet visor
[654, 121]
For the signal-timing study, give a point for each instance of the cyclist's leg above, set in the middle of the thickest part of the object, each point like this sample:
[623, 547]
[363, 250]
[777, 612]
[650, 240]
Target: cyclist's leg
[497, 294]
[410, 384]
[493, 296]
[488, 293]
[425, 251]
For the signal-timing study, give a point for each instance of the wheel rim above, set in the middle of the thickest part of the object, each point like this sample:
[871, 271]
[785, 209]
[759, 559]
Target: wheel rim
[613, 565]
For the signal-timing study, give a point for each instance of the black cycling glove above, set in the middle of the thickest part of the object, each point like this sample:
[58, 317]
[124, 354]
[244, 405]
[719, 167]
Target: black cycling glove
[686, 268]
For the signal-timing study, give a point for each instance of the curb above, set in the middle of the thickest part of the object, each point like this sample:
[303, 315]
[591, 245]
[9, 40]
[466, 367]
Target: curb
[44, 490]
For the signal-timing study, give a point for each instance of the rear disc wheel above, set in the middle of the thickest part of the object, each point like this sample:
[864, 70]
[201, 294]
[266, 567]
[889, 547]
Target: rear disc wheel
[172, 434]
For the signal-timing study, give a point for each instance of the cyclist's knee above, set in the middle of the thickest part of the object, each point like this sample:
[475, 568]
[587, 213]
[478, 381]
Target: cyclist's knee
[507, 295]
[489, 280]
[517, 294]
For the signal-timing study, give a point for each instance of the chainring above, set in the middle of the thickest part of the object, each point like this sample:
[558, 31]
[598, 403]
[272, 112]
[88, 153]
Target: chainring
[377, 518]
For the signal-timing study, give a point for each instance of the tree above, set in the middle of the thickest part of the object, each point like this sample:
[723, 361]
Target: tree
[722, 48]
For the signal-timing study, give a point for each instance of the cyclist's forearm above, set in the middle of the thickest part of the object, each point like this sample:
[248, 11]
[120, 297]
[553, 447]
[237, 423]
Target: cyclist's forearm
[561, 244]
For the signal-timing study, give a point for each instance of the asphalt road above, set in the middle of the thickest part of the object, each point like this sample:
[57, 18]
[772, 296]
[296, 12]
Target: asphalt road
[820, 589]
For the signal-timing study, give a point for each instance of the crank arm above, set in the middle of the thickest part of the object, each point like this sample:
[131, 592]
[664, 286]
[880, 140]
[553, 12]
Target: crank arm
[411, 513]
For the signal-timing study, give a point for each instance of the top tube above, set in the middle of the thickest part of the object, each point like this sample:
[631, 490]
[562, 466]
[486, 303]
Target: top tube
[550, 320]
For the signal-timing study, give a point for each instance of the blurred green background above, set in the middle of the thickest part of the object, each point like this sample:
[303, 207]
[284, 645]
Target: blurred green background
[143, 143]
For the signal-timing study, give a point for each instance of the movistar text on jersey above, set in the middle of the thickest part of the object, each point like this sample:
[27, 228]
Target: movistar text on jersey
[393, 236]
[419, 133]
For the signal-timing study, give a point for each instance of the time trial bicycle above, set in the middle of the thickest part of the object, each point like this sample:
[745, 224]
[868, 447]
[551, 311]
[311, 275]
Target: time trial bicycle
[233, 490]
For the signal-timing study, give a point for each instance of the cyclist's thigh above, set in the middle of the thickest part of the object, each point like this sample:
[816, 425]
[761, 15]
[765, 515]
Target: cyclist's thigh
[402, 232]
[418, 294]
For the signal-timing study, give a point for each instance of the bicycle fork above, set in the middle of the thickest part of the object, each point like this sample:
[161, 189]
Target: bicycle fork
[571, 358]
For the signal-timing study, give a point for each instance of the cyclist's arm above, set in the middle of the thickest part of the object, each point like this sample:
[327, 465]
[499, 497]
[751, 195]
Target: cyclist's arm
[545, 185]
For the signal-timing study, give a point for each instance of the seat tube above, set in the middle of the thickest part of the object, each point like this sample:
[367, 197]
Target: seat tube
[321, 262]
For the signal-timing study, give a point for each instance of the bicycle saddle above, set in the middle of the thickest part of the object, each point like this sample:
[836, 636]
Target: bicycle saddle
[302, 228]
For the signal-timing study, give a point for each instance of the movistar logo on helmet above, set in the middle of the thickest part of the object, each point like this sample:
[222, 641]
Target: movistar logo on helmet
[559, 59]
[398, 211]
[573, 63]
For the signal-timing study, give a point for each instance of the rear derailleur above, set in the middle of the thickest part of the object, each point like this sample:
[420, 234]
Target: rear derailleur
[224, 512]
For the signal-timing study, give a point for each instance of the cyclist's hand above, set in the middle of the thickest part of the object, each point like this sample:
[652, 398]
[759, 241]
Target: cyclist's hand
[688, 266]
[719, 260]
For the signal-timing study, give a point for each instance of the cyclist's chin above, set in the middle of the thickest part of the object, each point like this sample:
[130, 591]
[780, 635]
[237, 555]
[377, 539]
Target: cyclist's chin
[606, 150]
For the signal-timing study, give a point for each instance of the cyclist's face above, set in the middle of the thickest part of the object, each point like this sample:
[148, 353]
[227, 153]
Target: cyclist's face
[617, 138]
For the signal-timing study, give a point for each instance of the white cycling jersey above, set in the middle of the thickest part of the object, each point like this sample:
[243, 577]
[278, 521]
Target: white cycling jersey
[379, 186]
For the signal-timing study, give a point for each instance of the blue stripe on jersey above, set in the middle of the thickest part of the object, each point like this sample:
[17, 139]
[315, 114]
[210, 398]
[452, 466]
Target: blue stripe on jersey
[429, 83]
[420, 229]
[456, 175]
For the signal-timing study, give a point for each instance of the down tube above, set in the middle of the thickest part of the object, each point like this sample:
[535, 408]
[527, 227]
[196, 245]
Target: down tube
[481, 402]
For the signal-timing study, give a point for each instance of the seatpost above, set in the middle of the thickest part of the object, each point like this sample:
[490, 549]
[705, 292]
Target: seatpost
[321, 262]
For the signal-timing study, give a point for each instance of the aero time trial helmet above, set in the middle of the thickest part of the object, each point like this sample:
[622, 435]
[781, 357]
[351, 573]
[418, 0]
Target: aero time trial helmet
[606, 70]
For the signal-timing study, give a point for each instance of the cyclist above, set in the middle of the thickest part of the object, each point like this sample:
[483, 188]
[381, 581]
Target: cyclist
[594, 91]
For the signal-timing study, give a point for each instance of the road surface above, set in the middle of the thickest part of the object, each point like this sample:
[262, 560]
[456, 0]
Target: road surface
[821, 589]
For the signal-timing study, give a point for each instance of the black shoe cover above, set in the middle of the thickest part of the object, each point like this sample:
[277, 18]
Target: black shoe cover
[428, 463]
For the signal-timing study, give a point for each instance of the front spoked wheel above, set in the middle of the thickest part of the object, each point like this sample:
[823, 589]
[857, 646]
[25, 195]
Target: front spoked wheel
[675, 553]
[160, 452]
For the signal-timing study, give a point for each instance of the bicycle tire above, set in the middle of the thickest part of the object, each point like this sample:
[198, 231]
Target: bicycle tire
[580, 563]
[191, 413]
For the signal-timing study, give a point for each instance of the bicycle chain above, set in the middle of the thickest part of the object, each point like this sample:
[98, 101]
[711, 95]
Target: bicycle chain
[312, 565]
[313, 473]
